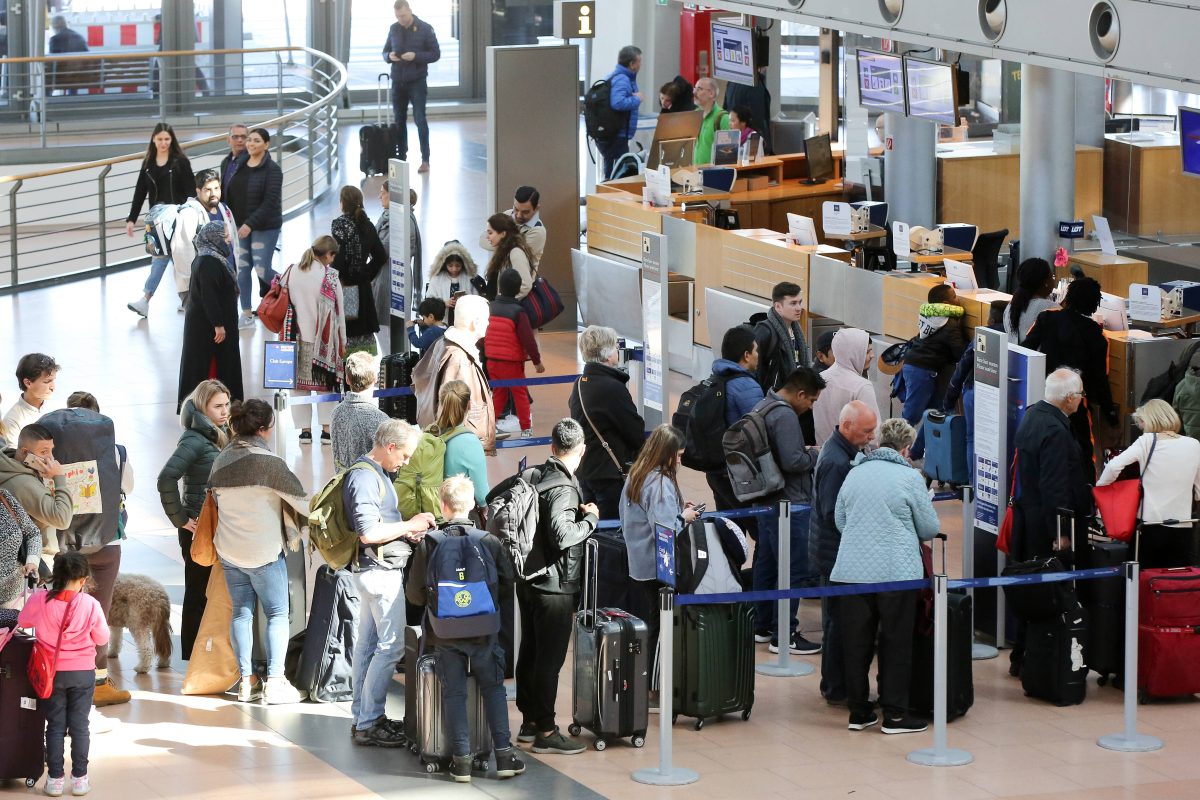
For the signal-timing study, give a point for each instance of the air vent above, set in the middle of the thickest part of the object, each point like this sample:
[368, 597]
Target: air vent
[1105, 30]
[993, 14]
[891, 10]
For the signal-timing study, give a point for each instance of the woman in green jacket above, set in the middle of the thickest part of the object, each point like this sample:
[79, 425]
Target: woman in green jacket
[464, 454]
[205, 418]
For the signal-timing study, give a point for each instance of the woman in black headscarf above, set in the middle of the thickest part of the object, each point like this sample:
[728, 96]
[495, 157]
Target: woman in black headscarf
[210, 329]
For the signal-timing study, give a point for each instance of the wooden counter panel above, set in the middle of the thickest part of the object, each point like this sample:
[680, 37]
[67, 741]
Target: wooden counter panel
[1114, 273]
[755, 267]
[1166, 200]
[985, 190]
[902, 300]
[616, 227]
[709, 272]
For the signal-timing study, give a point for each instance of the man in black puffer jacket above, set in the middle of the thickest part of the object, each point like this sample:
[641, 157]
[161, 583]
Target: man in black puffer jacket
[548, 602]
[855, 429]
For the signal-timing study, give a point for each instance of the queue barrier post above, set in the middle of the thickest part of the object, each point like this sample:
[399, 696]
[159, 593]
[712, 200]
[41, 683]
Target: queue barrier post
[979, 650]
[666, 773]
[281, 405]
[510, 688]
[1129, 740]
[783, 668]
[940, 755]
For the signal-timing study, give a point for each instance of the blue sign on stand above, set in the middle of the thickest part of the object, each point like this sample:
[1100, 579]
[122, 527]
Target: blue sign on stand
[664, 554]
[279, 365]
[1072, 229]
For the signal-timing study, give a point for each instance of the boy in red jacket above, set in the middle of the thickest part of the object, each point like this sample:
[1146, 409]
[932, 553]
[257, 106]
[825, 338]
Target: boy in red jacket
[509, 343]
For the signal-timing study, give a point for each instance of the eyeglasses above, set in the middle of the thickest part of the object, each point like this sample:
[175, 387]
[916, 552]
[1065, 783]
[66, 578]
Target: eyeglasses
[1077, 394]
[238, 136]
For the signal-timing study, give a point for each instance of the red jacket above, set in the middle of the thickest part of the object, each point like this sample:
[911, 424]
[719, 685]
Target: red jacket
[509, 335]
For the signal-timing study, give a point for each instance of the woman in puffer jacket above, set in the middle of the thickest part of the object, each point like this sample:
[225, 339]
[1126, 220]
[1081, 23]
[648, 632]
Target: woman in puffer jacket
[450, 273]
[205, 418]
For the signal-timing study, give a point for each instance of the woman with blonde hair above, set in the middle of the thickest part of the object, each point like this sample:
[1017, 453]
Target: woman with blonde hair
[651, 497]
[360, 257]
[316, 322]
[205, 420]
[464, 454]
[1170, 468]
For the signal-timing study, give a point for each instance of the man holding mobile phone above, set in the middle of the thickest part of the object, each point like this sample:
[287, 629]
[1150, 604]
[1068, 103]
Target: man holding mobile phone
[24, 472]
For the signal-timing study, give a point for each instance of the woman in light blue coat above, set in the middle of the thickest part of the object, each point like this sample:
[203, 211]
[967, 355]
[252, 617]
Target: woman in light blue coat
[651, 498]
[884, 513]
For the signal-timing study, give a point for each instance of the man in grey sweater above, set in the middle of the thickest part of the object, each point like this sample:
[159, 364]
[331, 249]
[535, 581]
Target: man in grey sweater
[385, 544]
[355, 420]
[781, 409]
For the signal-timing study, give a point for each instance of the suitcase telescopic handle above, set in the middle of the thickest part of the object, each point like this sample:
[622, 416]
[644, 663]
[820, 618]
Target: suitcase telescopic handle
[383, 76]
[591, 579]
[941, 537]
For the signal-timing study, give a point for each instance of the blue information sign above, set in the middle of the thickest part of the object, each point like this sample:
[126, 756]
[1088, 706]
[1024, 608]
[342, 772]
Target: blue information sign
[279, 365]
[664, 554]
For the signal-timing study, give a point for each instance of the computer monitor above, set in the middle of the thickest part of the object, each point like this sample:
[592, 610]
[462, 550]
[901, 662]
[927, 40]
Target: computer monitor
[881, 81]
[732, 50]
[802, 230]
[1111, 312]
[1156, 123]
[819, 154]
[1189, 139]
[932, 90]
[1120, 125]
[672, 128]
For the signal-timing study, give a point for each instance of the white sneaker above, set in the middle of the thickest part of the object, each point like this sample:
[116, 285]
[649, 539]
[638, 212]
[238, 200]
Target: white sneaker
[245, 322]
[141, 306]
[279, 691]
[80, 786]
[509, 424]
[527, 433]
[54, 786]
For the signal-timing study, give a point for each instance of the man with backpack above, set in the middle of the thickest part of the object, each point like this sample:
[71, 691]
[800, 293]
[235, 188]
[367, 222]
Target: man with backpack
[457, 574]
[780, 412]
[612, 128]
[548, 601]
[385, 544]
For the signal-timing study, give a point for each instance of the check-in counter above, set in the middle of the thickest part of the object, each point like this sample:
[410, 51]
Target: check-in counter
[1134, 358]
[983, 187]
[1114, 273]
[1145, 190]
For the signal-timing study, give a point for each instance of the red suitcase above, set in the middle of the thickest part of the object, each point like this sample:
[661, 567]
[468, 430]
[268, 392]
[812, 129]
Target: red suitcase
[1169, 633]
[22, 720]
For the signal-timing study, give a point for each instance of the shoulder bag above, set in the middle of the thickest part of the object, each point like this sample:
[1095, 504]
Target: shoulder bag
[595, 430]
[274, 306]
[1004, 536]
[204, 551]
[1120, 502]
[43, 666]
[542, 304]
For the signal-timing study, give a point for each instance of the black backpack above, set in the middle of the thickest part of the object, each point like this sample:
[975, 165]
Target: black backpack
[700, 416]
[602, 122]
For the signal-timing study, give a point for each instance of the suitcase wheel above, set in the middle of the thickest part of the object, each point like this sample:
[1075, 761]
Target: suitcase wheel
[30, 782]
[674, 718]
[746, 714]
[600, 744]
[699, 724]
[574, 729]
[638, 740]
[431, 767]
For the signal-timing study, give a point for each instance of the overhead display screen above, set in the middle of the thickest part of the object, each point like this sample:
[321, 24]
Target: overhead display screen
[881, 81]
[932, 90]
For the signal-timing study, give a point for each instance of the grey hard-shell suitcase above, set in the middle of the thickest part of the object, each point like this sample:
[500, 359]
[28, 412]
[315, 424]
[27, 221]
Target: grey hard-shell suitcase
[611, 669]
[424, 722]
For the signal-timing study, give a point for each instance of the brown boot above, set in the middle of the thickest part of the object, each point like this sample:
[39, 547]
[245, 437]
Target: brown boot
[107, 694]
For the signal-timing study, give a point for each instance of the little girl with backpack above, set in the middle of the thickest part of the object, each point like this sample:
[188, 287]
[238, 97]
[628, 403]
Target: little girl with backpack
[70, 625]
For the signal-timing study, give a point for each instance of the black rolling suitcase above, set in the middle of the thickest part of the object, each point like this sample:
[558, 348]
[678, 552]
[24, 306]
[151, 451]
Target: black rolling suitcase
[323, 668]
[612, 585]
[397, 369]
[374, 140]
[424, 720]
[1054, 668]
[611, 668]
[960, 679]
[1104, 599]
[22, 720]
[714, 661]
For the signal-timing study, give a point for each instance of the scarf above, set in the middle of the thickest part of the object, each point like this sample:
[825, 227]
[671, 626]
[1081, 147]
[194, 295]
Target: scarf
[350, 242]
[934, 316]
[329, 349]
[247, 462]
[785, 336]
[210, 241]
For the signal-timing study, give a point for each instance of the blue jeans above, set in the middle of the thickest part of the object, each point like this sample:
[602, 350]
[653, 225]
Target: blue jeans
[67, 710]
[254, 254]
[919, 387]
[766, 567]
[833, 670]
[158, 266]
[610, 151]
[486, 662]
[968, 398]
[381, 619]
[268, 585]
[415, 92]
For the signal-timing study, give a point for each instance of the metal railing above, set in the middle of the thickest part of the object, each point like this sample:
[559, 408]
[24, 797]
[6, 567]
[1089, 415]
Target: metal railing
[70, 220]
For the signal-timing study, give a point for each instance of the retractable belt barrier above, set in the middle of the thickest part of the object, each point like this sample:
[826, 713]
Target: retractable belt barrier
[401, 391]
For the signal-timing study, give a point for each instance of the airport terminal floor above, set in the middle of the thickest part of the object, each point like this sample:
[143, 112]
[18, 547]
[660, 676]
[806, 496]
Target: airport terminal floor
[793, 746]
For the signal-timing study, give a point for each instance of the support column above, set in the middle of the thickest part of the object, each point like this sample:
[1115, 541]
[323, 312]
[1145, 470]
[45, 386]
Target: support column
[910, 170]
[1089, 110]
[1047, 157]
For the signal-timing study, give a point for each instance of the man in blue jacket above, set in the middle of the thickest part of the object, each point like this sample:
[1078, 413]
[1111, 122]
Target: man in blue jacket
[410, 48]
[737, 366]
[623, 96]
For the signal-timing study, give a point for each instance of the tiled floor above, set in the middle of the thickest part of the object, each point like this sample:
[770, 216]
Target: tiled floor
[793, 746]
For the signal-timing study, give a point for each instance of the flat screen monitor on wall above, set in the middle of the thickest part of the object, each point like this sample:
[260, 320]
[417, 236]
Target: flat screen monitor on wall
[732, 53]
[819, 154]
[881, 81]
[932, 90]
[1189, 139]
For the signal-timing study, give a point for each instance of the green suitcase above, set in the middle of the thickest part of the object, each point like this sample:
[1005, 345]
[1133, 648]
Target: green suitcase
[714, 661]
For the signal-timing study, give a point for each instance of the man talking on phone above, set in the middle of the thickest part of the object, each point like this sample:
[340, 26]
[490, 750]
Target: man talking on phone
[24, 472]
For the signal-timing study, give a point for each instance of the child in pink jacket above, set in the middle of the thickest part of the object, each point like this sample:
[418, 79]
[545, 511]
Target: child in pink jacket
[75, 674]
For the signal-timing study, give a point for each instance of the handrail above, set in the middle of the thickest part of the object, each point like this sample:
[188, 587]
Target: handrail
[90, 56]
[338, 88]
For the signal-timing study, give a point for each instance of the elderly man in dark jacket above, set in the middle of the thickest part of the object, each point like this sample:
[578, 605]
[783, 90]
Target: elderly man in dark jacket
[548, 602]
[601, 404]
[410, 48]
[1049, 477]
[854, 431]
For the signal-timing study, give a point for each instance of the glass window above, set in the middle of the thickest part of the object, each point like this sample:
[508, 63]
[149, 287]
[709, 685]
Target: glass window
[273, 23]
[369, 24]
[799, 64]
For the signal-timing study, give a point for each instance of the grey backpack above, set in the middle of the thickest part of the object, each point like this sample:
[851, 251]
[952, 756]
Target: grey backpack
[753, 471]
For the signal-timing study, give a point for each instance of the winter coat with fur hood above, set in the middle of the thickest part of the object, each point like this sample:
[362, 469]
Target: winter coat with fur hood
[440, 282]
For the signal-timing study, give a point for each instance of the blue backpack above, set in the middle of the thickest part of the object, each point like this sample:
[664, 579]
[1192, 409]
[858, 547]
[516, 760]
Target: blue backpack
[460, 584]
